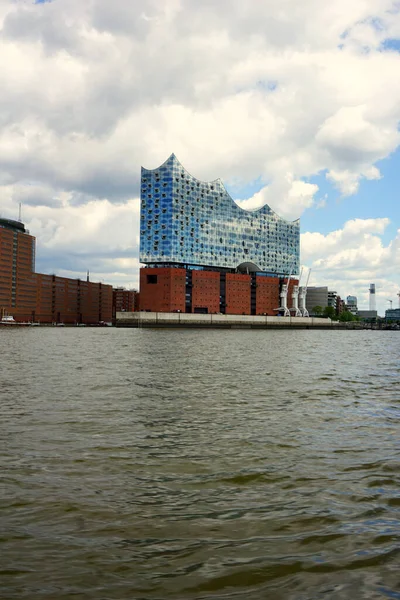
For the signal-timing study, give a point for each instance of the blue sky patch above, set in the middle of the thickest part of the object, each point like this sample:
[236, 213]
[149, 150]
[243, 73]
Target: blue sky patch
[391, 44]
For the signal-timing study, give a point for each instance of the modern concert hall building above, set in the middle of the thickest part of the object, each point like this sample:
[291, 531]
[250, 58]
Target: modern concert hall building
[205, 254]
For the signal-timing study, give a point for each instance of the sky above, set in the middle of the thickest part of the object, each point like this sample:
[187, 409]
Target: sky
[294, 104]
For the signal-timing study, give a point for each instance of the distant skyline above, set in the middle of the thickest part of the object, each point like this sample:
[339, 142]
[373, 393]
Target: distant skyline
[293, 104]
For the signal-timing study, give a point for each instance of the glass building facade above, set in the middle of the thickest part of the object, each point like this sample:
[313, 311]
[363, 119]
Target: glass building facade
[185, 221]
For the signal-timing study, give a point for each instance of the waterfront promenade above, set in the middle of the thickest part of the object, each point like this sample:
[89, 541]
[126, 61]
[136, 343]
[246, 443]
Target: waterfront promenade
[219, 321]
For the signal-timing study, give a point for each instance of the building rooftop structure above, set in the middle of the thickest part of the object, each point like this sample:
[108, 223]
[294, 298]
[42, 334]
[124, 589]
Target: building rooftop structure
[196, 224]
[16, 226]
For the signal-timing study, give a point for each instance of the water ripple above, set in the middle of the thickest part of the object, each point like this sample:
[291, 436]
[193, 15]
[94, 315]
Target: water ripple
[149, 465]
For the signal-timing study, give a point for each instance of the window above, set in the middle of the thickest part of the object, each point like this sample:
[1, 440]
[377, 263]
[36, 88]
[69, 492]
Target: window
[151, 278]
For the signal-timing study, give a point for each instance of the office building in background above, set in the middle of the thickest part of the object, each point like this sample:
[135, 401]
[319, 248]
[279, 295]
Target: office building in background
[351, 304]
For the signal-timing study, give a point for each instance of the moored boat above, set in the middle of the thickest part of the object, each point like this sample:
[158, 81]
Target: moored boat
[9, 321]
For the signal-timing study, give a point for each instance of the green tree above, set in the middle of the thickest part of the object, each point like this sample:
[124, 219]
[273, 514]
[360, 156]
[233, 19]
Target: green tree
[317, 310]
[329, 312]
[346, 316]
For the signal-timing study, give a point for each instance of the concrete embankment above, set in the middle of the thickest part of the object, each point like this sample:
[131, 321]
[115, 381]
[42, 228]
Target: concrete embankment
[154, 319]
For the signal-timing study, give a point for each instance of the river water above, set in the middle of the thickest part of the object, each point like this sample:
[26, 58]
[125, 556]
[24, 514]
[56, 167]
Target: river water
[152, 464]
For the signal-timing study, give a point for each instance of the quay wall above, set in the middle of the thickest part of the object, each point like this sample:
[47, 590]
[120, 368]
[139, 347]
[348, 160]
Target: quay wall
[215, 321]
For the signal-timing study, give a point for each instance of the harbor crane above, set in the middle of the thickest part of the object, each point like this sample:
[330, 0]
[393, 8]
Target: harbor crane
[302, 297]
[283, 295]
[295, 298]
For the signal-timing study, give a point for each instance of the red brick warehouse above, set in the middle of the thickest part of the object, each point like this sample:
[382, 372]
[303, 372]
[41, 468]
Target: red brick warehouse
[31, 296]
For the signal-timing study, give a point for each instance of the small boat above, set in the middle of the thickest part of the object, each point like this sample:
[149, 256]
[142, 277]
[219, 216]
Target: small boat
[9, 321]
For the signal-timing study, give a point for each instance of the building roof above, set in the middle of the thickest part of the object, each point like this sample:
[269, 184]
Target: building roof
[13, 225]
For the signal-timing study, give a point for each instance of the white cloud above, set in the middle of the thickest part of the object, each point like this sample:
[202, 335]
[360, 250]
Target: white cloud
[272, 91]
[99, 236]
[288, 197]
[245, 87]
[349, 259]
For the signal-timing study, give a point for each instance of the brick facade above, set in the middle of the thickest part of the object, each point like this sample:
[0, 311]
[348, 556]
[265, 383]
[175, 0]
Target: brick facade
[170, 289]
[267, 295]
[30, 296]
[17, 259]
[124, 300]
[238, 298]
[162, 289]
[206, 291]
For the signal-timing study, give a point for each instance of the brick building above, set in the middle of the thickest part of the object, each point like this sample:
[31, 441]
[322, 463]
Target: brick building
[206, 291]
[17, 263]
[187, 290]
[162, 289]
[204, 254]
[31, 296]
[124, 300]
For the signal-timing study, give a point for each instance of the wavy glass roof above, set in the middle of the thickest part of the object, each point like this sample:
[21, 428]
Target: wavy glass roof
[188, 221]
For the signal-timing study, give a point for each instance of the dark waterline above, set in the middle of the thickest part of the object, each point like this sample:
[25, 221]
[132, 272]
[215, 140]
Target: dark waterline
[152, 464]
